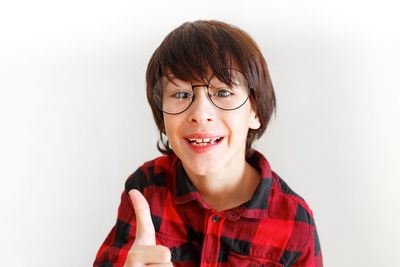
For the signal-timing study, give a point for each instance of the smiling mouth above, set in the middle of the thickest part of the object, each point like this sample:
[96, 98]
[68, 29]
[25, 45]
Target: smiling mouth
[204, 141]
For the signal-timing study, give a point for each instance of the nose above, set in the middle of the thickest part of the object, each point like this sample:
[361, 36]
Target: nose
[201, 110]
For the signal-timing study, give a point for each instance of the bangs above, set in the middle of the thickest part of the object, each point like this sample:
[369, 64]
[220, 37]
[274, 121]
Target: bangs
[196, 49]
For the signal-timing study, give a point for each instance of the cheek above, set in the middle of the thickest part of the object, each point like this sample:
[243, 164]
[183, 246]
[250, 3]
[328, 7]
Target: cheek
[172, 126]
[168, 125]
[238, 125]
[242, 118]
[244, 122]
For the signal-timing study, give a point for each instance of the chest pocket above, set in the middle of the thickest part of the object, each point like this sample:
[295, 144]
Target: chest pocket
[236, 260]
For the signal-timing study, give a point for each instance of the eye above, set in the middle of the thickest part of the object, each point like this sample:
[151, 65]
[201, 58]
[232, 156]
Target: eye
[222, 93]
[181, 95]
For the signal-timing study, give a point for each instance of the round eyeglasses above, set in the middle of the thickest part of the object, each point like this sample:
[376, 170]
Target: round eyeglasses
[174, 96]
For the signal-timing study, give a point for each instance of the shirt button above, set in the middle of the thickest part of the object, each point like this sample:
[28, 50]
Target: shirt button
[215, 218]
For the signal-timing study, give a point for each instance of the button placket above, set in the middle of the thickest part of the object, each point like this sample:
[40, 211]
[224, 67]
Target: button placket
[211, 242]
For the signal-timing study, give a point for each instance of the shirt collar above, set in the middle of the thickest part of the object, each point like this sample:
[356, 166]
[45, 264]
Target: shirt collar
[256, 208]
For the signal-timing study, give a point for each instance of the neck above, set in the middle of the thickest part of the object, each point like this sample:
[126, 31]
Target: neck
[228, 188]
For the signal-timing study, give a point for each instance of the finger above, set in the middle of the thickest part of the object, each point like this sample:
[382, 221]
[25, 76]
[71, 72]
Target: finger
[149, 254]
[145, 233]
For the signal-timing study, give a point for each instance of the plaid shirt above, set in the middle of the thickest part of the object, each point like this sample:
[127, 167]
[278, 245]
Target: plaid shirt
[275, 228]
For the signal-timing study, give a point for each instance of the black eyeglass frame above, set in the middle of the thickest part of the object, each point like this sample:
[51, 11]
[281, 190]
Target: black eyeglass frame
[157, 102]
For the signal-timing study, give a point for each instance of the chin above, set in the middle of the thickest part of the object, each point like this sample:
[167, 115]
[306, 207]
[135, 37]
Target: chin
[202, 168]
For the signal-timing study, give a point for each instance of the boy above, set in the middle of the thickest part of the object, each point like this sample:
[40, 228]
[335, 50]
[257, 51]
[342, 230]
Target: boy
[211, 200]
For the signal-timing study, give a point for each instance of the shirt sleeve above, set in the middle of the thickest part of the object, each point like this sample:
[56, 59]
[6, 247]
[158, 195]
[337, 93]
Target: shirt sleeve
[114, 250]
[311, 255]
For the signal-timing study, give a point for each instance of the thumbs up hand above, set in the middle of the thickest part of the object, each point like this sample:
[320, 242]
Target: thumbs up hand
[144, 250]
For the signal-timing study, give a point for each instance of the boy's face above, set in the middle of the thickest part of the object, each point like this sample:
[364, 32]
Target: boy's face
[208, 139]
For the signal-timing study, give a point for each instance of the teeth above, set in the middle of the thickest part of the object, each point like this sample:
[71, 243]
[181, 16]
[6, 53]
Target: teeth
[203, 142]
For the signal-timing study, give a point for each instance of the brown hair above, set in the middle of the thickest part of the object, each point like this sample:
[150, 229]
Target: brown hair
[194, 48]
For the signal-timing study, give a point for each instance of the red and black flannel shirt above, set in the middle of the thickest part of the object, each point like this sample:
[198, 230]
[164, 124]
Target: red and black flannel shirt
[275, 228]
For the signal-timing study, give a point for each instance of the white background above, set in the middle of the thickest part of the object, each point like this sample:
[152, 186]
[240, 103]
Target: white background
[75, 122]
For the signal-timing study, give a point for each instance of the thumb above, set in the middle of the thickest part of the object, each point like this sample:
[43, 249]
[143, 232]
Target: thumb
[145, 233]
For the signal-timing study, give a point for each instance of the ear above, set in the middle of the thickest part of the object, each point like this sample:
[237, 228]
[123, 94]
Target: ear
[254, 121]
